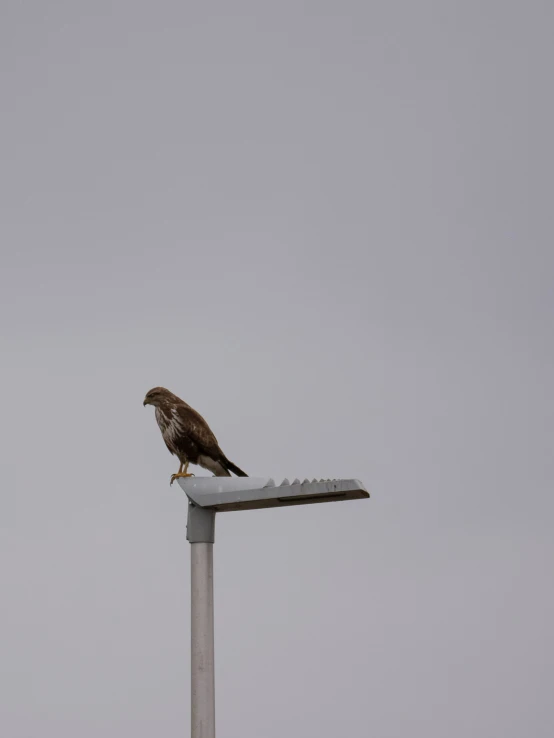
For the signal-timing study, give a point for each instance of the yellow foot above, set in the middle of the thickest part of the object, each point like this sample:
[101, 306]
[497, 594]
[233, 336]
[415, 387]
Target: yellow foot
[178, 475]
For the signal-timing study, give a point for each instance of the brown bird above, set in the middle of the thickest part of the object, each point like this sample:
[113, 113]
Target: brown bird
[188, 436]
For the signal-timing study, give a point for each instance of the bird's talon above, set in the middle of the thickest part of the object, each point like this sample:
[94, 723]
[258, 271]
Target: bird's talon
[178, 476]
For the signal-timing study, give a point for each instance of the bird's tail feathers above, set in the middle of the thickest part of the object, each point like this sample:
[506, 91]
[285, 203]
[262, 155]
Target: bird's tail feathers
[229, 466]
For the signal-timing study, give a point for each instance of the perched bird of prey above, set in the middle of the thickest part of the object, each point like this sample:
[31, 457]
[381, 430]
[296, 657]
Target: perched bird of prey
[188, 436]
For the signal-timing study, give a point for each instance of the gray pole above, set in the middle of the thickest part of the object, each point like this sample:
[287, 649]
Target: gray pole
[200, 534]
[208, 495]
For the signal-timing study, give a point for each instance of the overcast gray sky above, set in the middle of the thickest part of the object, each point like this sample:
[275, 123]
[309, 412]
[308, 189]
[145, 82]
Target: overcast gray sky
[328, 227]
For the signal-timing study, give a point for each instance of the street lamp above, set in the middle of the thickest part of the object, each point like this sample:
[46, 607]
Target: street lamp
[207, 496]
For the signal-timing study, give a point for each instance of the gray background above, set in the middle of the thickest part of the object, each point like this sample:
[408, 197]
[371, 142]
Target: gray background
[328, 227]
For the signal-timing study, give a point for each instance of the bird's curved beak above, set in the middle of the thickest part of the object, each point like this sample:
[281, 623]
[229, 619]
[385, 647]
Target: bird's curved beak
[145, 402]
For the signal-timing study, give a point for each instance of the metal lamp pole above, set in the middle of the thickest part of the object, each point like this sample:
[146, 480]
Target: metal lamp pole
[208, 495]
[200, 534]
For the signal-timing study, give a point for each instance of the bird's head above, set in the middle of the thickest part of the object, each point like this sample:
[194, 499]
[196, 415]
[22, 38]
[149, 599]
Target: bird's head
[157, 396]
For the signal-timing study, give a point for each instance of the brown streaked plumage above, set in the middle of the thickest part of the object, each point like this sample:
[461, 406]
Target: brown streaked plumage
[188, 436]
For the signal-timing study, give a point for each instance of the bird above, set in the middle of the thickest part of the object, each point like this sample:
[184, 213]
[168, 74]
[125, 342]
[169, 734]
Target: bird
[188, 436]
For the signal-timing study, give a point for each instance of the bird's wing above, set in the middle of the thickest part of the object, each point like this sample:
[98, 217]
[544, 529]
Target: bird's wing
[197, 431]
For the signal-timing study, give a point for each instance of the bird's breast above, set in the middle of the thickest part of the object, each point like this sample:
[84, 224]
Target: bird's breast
[170, 424]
